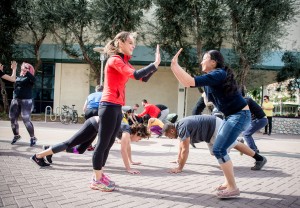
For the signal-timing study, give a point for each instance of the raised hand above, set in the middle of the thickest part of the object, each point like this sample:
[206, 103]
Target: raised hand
[175, 58]
[157, 57]
[13, 65]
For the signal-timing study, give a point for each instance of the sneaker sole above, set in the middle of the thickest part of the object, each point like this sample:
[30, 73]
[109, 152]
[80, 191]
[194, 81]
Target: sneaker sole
[228, 197]
[102, 190]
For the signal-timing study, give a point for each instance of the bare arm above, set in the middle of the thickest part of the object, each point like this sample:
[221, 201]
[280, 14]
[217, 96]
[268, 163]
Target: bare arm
[12, 77]
[182, 76]
[183, 155]
[178, 154]
[205, 98]
[266, 108]
[125, 143]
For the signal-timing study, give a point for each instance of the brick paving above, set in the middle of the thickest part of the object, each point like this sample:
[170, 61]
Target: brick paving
[66, 182]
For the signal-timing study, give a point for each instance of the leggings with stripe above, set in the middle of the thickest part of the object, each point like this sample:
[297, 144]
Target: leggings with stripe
[23, 107]
[110, 117]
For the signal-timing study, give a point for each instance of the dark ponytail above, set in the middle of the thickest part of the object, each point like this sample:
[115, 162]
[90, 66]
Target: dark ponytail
[230, 85]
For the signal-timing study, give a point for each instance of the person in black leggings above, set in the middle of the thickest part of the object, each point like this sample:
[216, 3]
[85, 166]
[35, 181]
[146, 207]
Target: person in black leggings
[22, 103]
[118, 70]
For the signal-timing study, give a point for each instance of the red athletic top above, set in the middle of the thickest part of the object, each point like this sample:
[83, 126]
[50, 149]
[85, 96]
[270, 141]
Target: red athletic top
[150, 109]
[117, 72]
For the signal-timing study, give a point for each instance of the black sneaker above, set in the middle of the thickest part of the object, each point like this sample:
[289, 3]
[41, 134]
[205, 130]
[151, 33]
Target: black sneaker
[39, 161]
[259, 164]
[32, 141]
[15, 139]
[48, 158]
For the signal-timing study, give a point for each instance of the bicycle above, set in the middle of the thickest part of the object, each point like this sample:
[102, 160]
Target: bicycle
[68, 115]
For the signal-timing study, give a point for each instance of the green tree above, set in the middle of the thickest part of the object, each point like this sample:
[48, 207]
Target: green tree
[74, 30]
[189, 24]
[290, 70]
[85, 24]
[10, 22]
[37, 24]
[257, 26]
[112, 17]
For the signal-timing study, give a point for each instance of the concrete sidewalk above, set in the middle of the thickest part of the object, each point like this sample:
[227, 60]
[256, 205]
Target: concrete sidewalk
[66, 182]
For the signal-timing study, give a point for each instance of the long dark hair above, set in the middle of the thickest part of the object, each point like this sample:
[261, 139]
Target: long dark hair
[230, 85]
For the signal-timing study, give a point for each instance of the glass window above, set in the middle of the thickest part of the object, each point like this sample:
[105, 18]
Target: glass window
[43, 92]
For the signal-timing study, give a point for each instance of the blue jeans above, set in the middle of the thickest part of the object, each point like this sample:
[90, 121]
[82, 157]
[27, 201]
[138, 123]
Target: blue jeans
[254, 126]
[231, 128]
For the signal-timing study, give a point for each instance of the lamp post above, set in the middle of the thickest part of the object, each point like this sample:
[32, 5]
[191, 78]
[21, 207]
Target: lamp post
[102, 58]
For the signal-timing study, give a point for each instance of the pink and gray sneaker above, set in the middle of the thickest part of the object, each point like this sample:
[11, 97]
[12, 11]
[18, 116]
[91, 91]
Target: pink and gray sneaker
[102, 185]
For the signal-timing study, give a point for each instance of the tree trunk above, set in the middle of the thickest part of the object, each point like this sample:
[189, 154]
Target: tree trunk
[4, 97]
[243, 72]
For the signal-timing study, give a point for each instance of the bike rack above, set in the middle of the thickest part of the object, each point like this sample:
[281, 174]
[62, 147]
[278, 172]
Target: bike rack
[51, 113]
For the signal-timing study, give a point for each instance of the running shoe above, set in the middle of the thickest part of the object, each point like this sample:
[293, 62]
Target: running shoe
[33, 141]
[15, 139]
[107, 178]
[102, 185]
[48, 158]
[39, 161]
[259, 164]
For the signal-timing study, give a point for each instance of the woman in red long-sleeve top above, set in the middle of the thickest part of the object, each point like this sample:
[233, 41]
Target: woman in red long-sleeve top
[117, 72]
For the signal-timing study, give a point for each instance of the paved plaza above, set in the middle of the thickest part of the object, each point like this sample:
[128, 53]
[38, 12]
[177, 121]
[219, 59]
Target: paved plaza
[66, 182]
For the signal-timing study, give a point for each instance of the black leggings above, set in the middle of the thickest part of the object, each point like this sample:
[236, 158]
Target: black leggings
[110, 118]
[90, 113]
[22, 106]
[83, 138]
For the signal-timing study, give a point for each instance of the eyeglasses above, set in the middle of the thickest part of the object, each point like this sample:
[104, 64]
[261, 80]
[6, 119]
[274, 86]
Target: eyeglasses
[265, 99]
